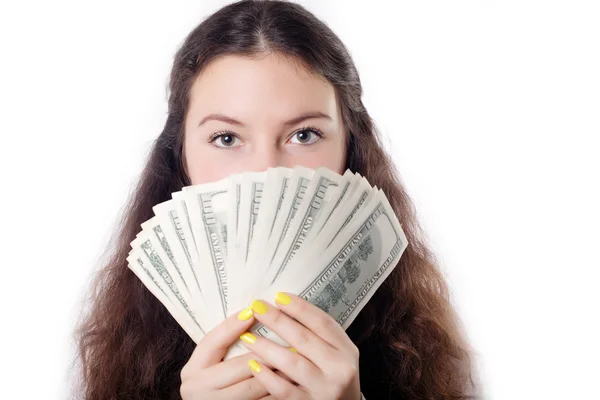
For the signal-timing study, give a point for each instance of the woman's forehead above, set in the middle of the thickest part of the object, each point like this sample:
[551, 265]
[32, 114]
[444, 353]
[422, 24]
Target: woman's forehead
[247, 87]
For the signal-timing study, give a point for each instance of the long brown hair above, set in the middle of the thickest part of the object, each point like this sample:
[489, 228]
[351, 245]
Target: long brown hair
[410, 341]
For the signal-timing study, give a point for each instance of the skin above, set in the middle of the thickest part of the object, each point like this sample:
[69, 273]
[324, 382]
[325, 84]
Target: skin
[263, 95]
[324, 365]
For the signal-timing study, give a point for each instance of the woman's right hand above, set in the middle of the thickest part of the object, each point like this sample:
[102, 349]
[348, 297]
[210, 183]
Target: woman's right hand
[206, 376]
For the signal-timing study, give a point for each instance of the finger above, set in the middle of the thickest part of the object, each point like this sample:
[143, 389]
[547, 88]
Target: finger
[230, 372]
[278, 372]
[249, 389]
[315, 319]
[234, 370]
[213, 346]
[276, 385]
[293, 365]
[298, 336]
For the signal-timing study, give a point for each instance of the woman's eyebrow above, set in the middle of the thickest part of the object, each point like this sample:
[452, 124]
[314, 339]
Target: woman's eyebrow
[293, 121]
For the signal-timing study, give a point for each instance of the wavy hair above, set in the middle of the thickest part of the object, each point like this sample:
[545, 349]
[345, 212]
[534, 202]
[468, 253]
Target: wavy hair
[410, 339]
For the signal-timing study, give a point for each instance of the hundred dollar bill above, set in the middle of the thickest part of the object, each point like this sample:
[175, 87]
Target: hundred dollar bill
[160, 283]
[234, 188]
[151, 283]
[319, 191]
[149, 245]
[207, 206]
[287, 182]
[343, 197]
[250, 199]
[154, 228]
[175, 233]
[174, 227]
[183, 225]
[292, 200]
[360, 258]
[287, 205]
[347, 185]
[276, 183]
[253, 190]
[349, 271]
[342, 216]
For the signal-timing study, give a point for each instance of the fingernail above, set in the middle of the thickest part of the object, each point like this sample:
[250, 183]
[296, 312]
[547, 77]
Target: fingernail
[254, 365]
[293, 349]
[282, 298]
[259, 307]
[248, 338]
[245, 314]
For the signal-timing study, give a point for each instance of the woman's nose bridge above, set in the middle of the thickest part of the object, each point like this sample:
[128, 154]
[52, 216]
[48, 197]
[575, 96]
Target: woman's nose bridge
[267, 155]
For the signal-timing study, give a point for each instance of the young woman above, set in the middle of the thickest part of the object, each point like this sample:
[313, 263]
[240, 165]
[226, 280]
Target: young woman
[261, 84]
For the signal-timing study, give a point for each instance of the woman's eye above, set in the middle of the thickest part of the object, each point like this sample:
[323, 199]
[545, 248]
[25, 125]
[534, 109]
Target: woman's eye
[225, 140]
[306, 136]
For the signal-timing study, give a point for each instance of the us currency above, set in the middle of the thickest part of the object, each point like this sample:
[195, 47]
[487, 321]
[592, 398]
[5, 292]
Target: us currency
[153, 228]
[290, 203]
[170, 218]
[349, 272]
[293, 194]
[250, 200]
[320, 190]
[277, 182]
[343, 215]
[344, 195]
[177, 227]
[354, 191]
[142, 271]
[255, 191]
[149, 246]
[184, 226]
[234, 188]
[207, 206]
[146, 264]
[360, 258]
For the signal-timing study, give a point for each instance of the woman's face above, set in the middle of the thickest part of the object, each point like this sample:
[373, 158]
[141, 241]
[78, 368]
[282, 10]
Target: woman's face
[249, 115]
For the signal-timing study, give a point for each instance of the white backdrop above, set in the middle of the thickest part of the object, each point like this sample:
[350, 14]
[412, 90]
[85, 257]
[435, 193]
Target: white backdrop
[491, 110]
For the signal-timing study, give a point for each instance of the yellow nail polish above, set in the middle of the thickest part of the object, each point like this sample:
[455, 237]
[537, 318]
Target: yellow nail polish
[254, 365]
[248, 338]
[293, 349]
[259, 307]
[282, 298]
[245, 314]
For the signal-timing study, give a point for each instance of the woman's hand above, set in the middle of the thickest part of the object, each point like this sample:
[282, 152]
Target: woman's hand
[323, 361]
[205, 376]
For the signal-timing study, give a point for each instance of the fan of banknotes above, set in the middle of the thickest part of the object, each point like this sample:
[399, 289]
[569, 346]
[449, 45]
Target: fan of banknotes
[209, 251]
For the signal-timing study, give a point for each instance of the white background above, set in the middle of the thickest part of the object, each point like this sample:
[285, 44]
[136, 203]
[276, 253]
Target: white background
[491, 110]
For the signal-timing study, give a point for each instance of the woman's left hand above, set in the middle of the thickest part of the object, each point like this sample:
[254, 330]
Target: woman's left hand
[323, 361]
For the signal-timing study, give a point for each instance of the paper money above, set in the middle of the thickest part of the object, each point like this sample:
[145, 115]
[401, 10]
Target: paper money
[319, 191]
[348, 272]
[209, 251]
[207, 206]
